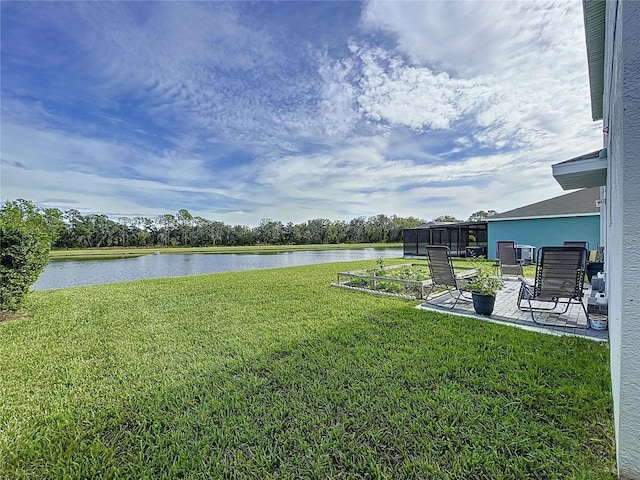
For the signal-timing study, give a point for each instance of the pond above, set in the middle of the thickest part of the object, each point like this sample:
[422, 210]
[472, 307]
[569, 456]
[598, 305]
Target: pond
[75, 273]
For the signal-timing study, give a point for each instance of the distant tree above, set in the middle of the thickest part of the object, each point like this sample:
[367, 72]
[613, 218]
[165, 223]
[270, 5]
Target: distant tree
[446, 218]
[139, 234]
[103, 232]
[269, 232]
[399, 224]
[337, 232]
[125, 228]
[54, 219]
[377, 228]
[70, 236]
[95, 230]
[291, 234]
[357, 230]
[207, 232]
[167, 224]
[241, 235]
[184, 220]
[318, 230]
[481, 215]
[26, 235]
[150, 227]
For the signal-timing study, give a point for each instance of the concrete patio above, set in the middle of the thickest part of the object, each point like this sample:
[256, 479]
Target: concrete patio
[506, 311]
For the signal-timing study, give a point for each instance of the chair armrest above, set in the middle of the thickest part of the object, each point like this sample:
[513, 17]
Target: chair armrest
[527, 289]
[525, 282]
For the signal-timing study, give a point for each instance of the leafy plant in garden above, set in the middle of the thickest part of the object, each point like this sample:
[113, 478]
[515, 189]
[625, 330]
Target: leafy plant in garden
[389, 287]
[484, 283]
[411, 273]
[392, 279]
[359, 282]
[379, 271]
[26, 233]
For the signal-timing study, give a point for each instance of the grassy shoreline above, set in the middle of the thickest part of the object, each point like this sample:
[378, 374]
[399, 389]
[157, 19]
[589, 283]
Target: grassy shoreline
[275, 374]
[117, 252]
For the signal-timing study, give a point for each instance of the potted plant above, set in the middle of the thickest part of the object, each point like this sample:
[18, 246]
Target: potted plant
[484, 288]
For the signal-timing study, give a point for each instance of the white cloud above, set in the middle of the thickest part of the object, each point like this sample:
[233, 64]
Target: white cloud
[472, 38]
[44, 148]
[467, 110]
[415, 97]
[338, 105]
[193, 67]
[512, 63]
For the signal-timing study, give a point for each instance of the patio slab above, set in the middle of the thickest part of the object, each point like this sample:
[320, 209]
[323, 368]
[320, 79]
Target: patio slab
[573, 322]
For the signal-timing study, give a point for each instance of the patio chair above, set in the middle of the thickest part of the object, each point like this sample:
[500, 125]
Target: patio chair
[579, 244]
[443, 275]
[506, 261]
[559, 280]
[576, 244]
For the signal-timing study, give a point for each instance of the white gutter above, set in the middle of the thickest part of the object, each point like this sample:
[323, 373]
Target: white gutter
[535, 217]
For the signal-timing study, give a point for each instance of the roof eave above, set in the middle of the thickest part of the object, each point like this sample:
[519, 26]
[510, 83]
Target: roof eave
[587, 173]
[539, 217]
[594, 27]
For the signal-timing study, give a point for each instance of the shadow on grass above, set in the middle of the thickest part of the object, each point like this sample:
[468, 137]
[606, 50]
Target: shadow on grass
[392, 393]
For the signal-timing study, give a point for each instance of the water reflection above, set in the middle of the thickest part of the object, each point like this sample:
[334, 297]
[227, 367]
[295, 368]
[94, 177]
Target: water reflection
[73, 273]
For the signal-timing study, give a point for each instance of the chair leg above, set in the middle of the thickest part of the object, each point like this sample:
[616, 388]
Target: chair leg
[533, 317]
[586, 313]
[520, 296]
[537, 309]
[566, 307]
[426, 299]
[450, 292]
[457, 298]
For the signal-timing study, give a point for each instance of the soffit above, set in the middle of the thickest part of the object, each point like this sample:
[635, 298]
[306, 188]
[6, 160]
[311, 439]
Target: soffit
[594, 26]
[586, 171]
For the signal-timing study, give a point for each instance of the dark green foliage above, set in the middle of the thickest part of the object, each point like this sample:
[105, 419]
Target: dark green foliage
[97, 231]
[25, 240]
[359, 282]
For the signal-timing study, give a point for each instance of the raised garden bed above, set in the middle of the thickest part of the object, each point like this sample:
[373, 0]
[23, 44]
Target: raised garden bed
[408, 280]
[405, 281]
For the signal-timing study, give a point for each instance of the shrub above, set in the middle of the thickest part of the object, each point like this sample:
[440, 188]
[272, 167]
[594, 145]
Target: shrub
[25, 241]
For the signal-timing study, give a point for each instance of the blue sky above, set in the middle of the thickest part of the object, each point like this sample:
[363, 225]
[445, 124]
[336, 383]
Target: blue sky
[242, 111]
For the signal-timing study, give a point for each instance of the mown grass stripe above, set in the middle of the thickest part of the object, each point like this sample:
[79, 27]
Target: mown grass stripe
[276, 374]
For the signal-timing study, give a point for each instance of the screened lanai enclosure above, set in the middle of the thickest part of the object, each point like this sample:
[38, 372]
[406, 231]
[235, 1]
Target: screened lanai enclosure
[463, 239]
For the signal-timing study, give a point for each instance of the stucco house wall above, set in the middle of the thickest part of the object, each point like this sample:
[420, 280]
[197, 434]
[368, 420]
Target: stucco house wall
[621, 121]
[541, 232]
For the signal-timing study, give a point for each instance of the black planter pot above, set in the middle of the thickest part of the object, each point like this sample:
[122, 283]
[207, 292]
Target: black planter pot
[483, 304]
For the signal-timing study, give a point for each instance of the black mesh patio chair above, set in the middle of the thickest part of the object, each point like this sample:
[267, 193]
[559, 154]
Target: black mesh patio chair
[579, 244]
[506, 259]
[576, 244]
[443, 275]
[559, 281]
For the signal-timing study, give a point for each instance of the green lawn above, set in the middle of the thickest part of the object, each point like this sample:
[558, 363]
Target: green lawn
[275, 374]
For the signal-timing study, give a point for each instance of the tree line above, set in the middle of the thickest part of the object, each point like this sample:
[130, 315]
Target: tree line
[75, 230]
[27, 232]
